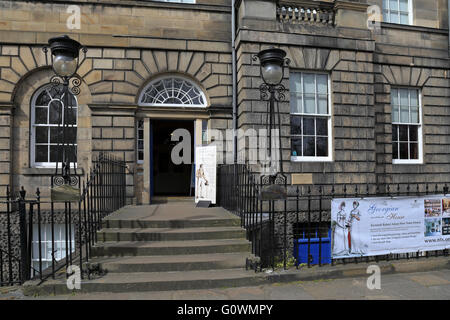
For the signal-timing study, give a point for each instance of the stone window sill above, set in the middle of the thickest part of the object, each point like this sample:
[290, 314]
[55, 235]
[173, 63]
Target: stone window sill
[47, 171]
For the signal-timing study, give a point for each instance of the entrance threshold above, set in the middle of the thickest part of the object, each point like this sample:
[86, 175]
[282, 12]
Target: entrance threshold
[166, 199]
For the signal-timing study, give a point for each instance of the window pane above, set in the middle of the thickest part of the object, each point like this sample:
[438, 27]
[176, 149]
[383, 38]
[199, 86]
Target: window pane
[308, 126]
[55, 112]
[385, 16]
[296, 125]
[385, 4]
[56, 154]
[394, 133]
[43, 99]
[309, 83]
[322, 126]
[322, 105]
[393, 4]
[414, 151]
[71, 135]
[394, 18]
[322, 147]
[394, 97]
[395, 113]
[404, 5]
[41, 134]
[56, 135]
[322, 84]
[295, 84]
[403, 132]
[413, 133]
[310, 104]
[404, 19]
[40, 115]
[296, 147]
[70, 116]
[395, 151]
[140, 155]
[414, 96]
[308, 146]
[55, 92]
[72, 154]
[296, 103]
[41, 154]
[404, 99]
[404, 114]
[403, 150]
[414, 115]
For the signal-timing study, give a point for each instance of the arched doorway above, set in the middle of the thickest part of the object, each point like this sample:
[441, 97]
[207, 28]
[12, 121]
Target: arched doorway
[174, 102]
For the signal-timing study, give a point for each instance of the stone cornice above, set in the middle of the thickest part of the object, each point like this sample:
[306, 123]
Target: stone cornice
[143, 3]
[347, 5]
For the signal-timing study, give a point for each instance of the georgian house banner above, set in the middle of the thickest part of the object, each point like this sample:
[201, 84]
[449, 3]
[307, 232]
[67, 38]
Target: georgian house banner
[377, 226]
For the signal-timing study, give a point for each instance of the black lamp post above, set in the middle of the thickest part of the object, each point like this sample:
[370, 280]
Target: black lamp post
[272, 65]
[65, 62]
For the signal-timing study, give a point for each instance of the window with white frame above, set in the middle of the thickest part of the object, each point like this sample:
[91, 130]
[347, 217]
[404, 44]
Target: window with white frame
[140, 141]
[46, 244]
[172, 91]
[47, 118]
[397, 11]
[310, 116]
[406, 125]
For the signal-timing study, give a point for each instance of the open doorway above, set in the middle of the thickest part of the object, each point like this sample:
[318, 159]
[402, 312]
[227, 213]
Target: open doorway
[169, 179]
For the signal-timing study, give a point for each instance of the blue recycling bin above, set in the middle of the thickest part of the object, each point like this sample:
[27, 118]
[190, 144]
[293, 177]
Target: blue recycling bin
[316, 244]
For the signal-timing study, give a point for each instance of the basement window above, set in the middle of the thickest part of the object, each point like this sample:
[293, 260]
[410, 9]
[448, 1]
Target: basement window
[46, 244]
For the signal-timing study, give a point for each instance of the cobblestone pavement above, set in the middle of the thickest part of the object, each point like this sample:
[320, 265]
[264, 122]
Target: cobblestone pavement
[433, 285]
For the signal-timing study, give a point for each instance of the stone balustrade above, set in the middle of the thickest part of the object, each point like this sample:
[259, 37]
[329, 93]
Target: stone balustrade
[322, 13]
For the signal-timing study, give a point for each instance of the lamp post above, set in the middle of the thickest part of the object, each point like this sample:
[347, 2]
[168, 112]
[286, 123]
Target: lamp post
[272, 65]
[65, 62]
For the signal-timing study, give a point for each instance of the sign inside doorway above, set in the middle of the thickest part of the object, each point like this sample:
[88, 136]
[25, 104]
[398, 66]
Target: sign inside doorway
[205, 173]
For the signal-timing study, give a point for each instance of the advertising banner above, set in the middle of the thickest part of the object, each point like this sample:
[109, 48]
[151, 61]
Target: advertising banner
[376, 226]
[205, 173]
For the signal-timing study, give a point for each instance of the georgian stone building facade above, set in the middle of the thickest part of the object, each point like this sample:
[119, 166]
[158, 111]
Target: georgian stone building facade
[365, 105]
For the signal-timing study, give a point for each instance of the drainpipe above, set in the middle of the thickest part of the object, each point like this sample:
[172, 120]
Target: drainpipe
[233, 62]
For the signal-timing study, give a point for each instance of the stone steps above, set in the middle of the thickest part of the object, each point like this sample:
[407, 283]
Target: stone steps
[173, 224]
[197, 248]
[155, 281]
[173, 262]
[140, 248]
[169, 234]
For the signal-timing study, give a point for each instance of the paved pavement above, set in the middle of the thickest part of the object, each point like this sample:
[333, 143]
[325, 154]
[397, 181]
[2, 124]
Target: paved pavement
[432, 285]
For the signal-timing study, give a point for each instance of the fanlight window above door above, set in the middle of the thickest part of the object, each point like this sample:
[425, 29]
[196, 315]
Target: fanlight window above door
[172, 92]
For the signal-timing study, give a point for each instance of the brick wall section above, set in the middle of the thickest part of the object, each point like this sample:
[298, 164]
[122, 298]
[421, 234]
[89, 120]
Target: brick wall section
[423, 65]
[352, 93]
[5, 151]
[115, 134]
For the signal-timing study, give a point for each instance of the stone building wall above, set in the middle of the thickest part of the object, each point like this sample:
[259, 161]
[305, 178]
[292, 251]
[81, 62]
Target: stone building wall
[130, 43]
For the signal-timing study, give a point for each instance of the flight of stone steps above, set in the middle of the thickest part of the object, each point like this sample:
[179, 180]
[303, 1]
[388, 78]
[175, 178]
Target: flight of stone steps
[138, 251]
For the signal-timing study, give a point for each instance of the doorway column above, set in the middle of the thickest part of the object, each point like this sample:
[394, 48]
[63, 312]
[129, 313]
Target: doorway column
[146, 198]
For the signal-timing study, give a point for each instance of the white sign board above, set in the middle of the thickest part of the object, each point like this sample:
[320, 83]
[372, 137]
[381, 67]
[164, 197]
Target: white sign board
[377, 226]
[205, 173]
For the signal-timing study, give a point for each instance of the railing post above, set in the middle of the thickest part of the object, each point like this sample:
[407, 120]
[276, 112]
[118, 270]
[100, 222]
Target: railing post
[25, 250]
[8, 226]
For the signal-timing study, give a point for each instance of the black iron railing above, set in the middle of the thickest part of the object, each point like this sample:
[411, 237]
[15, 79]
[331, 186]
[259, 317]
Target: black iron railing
[274, 226]
[22, 252]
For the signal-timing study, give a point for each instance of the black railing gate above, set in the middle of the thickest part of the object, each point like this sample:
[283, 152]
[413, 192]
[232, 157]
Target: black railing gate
[103, 192]
[273, 226]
